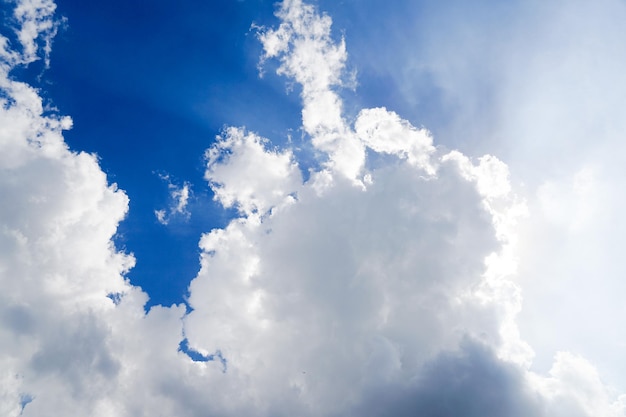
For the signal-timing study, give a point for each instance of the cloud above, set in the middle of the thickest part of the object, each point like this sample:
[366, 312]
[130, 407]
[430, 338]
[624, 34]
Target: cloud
[351, 287]
[309, 56]
[36, 27]
[243, 174]
[540, 86]
[179, 198]
[60, 333]
[381, 285]
[347, 289]
[574, 387]
[471, 382]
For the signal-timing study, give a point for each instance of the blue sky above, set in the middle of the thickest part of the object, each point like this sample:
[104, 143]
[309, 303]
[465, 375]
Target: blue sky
[328, 209]
[149, 88]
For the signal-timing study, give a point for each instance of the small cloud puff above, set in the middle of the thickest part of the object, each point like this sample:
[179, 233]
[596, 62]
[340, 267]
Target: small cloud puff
[179, 199]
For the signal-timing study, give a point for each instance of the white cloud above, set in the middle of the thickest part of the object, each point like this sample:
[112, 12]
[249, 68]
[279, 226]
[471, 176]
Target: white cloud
[540, 85]
[304, 301]
[309, 55]
[179, 199]
[66, 347]
[556, 115]
[575, 388]
[242, 174]
[382, 285]
[36, 29]
[385, 132]
[382, 281]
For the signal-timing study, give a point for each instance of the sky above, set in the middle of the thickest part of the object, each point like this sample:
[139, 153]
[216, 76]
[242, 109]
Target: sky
[326, 208]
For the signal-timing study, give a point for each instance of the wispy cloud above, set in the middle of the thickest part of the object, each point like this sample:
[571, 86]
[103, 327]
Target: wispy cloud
[179, 199]
[310, 56]
[36, 28]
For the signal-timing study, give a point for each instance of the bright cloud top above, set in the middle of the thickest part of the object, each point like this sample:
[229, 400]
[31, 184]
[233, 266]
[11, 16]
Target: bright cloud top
[379, 286]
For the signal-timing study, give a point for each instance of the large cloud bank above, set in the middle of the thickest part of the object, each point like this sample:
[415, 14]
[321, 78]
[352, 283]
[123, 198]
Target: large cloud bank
[379, 286]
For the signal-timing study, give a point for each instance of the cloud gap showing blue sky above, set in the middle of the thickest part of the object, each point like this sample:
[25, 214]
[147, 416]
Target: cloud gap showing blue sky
[333, 256]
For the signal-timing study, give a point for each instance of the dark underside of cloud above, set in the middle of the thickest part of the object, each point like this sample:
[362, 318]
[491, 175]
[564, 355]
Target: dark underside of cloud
[470, 382]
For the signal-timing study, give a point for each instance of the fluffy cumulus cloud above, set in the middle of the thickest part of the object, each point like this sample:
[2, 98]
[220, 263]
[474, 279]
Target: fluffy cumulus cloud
[539, 84]
[543, 83]
[71, 327]
[379, 286]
